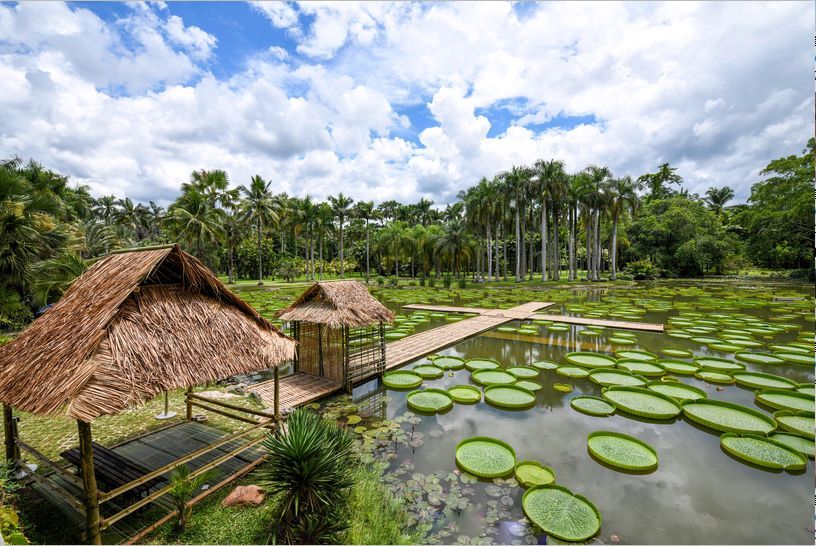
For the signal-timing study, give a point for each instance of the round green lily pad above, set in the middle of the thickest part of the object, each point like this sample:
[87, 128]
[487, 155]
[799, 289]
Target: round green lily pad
[677, 353]
[792, 349]
[428, 371]
[560, 513]
[728, 417]
[429, 400]
[485, 457]
[401, 379]
[605, 377]
[523, 372]
[395, 334]
[643, 356]
[493, 377]
[758, 358]
[642, 402]
[572, 371]
[807, 388]
[677, 390]
[449, 362]
[799, 422]
[622, 451]
[562, 387]
[509, 396]
[763, 451]
[353, 419]
[714, 377]
[758, 380]
[507, 329]
[465, 394]
[803, 445]
[592, 405]
[678, 367]
[532, 473]
[545, 364]
[590, 360]
[796, 358]
[646, 369]
[616, 340]
[558, 327]
[785, 399]
[474, 364]
[710, 363]
[529, 385]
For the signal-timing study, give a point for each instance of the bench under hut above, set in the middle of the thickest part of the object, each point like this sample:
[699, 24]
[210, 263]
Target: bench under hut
[339, 327]
[136, 324]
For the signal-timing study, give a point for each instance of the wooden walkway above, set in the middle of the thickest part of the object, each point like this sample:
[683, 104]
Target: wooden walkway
[622, 324]
[295, 390]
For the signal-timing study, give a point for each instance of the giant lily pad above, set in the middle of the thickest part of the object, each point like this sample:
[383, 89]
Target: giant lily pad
[401, 379]
[803, 445]
[485, 457]
[493, 377]
[465, 394]
[807, 388]
[523, 372]
[646, 369]
[606, 377]
[714, 377]
[590, 360]
[643, 356]
[678, 367]
[785, 400]
[474, 364]
[572, 371]
[758, 358]
[710, 363]
[449, 362]
[509, 396]
[545, 364]
[728, 417]
[428, 371]
[429, 400]
[677, 353]
[677, 390]
[562, 387]
[592, 405]
[560, 513]
[532, 473]
[642, 402]
[529, 385]
[763, 451]
[796, 358]
[622, 451]
[800, 422]
[757, 380]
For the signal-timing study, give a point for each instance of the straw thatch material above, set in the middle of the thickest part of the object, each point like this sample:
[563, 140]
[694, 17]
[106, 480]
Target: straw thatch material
[336, 304]
[132, 326]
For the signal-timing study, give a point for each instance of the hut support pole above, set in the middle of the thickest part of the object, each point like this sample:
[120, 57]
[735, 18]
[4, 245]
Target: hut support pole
[320, 349]
[189, 402]
[10, 432]
[277, 394]
[383, 363]
[92, 534]
[346, 363]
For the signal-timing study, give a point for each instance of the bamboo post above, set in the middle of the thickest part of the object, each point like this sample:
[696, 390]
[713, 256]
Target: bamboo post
[10, 433]
[320, 349]
[383, 363]
[189, 404]
[277, 394]
[92, 535]
[346, 380]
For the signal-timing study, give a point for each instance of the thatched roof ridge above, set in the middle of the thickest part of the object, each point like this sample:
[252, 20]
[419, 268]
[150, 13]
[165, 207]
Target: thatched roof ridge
[336, 304]
[133, 325]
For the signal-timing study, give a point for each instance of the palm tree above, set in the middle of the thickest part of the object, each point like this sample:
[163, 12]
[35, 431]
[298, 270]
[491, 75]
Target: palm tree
[340, 206]
[364, 210]
[716, 198]
[392, 241]
[597, 177]
[195, 222]
[53, 276]
[454, 244]
[622, 194]
[259, 207]
[105, 208]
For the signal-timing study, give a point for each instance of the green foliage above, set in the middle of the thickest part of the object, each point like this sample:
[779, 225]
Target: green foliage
[461, 283]
[309, 467]
[183, 489]
[287, 270]
[446, 282]
[10, 529]
[639, 270]
[380, 280]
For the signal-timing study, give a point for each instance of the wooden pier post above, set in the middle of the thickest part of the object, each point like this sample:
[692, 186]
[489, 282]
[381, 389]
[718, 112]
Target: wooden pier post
[277, 394]
[92, 533]
[189, 402]
[10, 433]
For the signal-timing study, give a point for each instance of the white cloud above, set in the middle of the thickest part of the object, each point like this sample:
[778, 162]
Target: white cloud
[198, 42]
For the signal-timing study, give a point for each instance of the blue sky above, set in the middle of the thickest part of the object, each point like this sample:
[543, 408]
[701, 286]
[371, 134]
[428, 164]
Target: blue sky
[400, 100]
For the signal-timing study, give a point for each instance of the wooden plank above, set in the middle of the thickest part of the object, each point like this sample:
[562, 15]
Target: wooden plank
[626, 325]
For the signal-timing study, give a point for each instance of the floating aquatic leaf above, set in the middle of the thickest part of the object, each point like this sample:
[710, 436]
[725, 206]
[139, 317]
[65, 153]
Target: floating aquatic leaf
[592, 405]
[803, 445]
[785, 400]
[728, 417]
[562, 387]
[401, 379]
[429, 400]
[529, 385]
[763, 451]
[523, 372]
[710, 363]
[642, 402]
[572, 371]
[714, 377]
[677, 353]
[558, 327]
[807, 388]
[799, 422]
[509, 396]
[353, 419]
[678, 367]
[545, 364]
[647, 369]
[605, 377]
[757, 380]
[677, 390]
[531, 473]
[474, 364]
[493, 377]
[643, 356]
[561, 513]
[428, 371]
[622, 451]
[449, 362]
[465, 394]
[590, 360]
[615, 340]
[758, 358]
[796, 358]
[485, 457]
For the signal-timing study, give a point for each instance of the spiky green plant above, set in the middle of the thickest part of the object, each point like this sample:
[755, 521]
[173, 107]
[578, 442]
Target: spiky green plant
[183, 488]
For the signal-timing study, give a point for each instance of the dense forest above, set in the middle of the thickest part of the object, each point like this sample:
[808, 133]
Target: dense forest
[532, 222]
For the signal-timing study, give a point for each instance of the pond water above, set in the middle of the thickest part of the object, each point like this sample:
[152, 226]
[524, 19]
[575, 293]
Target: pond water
[698, 494]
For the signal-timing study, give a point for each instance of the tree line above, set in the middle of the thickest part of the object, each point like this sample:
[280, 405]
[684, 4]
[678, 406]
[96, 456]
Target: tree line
[535, 221]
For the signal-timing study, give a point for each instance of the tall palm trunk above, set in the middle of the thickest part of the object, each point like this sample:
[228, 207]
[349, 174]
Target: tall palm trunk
[320, 277]
[556, 247]
[498, 263]
[588, 230]
[367, 246]
[571, 243]
[518, 242]
[597, 264]
[342, 264]
[489, 253]
[543, 239]
[504, 255]
[613, 250]
[260, 257]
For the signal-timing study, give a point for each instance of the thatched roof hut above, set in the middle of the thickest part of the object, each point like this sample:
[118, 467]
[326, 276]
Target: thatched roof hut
[337, 304]
[135, 324]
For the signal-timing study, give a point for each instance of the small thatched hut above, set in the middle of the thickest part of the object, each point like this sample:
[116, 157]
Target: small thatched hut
[339, 329]
[135, 324]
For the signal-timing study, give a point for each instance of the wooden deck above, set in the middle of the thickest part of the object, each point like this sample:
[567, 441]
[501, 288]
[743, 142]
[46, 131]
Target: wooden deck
[152, 451]
[621, 324]
[295, 390]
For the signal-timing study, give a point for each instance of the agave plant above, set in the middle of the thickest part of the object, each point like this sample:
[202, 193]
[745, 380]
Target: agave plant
[310, 465]
[183, 487]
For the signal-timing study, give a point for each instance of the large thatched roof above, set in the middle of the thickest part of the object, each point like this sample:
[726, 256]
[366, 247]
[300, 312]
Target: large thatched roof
[132, 326]
[337, 303]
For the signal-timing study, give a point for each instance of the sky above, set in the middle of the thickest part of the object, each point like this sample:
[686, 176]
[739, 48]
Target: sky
[401, 100]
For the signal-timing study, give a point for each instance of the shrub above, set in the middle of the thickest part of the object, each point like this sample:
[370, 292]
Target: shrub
[10, 531]
[380, 280]
[462, 283]
[287, 270]
[393, 282]
[639, 270]
[182, 489]
[431, 282]
[412, 283]
[310, 468]
[446, 281]
[422, 280]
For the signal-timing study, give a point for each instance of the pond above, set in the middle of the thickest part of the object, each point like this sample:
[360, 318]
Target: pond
[698, 493]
